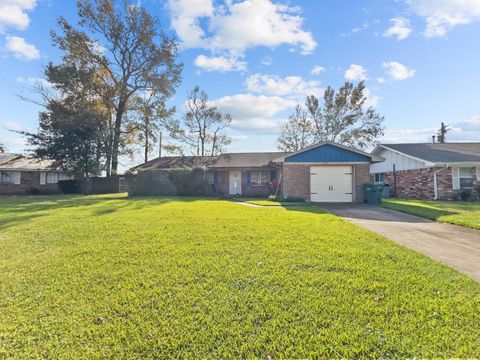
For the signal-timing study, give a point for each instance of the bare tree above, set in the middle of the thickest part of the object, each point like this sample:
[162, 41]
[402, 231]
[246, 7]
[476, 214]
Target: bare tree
[132, 55]
[297, 132]
[202, 130]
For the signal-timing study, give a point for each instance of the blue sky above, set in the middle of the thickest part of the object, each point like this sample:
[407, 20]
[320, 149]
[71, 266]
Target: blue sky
[257, 58]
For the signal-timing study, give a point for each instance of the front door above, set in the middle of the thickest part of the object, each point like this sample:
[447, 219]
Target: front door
[235, 182]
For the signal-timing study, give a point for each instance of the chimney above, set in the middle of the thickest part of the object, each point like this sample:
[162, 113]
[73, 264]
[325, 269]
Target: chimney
[433, 139]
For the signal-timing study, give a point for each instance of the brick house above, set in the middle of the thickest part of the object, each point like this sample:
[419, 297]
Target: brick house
[21, 175]
[324, 172]
[429, 171]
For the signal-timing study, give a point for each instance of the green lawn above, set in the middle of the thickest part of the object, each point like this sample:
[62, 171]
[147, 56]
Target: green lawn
[454, 212]
[268, 202]
[113, 277]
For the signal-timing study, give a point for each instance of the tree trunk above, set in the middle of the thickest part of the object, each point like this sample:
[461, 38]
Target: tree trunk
[146, 147]
[116, 138]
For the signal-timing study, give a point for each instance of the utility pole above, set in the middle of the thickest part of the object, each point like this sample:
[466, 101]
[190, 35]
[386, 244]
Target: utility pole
[160, 144]
[442, 132]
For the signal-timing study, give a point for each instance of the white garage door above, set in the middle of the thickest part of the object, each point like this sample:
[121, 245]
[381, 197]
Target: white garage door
[331, 183]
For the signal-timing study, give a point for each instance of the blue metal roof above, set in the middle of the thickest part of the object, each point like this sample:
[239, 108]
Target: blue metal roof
[326, 153]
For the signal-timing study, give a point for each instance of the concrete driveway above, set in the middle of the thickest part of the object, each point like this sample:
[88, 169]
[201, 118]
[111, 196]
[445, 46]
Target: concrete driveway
[453, 245]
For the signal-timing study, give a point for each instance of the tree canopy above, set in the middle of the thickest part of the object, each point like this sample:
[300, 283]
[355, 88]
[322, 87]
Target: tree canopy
[343, 118]
[130, 53]
[201, 132]
[74, 126]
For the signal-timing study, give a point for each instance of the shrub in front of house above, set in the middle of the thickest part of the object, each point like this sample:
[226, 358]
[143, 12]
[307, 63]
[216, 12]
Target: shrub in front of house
[466, 195]
[182, 182]
[69, 186]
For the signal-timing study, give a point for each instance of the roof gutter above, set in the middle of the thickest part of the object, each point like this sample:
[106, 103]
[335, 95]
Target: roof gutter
[435, 185]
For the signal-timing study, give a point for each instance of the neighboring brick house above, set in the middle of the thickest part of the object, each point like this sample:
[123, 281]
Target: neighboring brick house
[21, 175]
[324, 172]
[429, 171]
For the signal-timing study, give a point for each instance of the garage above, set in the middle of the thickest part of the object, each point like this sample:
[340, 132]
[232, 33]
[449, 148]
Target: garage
[331, 183]
[326, 172]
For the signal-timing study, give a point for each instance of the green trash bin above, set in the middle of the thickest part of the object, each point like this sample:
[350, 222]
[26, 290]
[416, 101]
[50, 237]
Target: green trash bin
[372, 193]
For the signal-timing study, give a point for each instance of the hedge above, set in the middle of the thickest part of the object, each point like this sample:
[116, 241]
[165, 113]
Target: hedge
[182, 182]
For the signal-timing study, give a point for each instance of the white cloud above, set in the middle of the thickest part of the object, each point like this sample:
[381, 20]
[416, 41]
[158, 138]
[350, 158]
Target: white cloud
[360, 28]
[381, 80]
[13, 13]
[442, 15]
[253, 23]
[260, 125]
[289, 86]
[317, 70]
[464, 130]
[220, 63]
[249, 106]
[33, 81]
[356, 72]
[398, 71]
[372, 100]
[254, 113]
[21, 49]
[400, 28]
[267, 61]
[234, 27]
[408, 135]
[11, 125]
[185, 20]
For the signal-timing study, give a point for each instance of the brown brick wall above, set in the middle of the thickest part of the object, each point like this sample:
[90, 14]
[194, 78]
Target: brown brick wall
[418, 184]
[296, 181]
[221, 187]
[362, 176]
[29, 184]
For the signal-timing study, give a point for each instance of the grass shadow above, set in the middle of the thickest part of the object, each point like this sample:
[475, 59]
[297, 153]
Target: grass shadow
[422, 211]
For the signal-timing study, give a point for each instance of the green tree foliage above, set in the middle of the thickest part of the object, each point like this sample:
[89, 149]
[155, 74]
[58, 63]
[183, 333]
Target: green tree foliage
[152, 115]
[131, 54]
[297, 132]
[344, 118]
[74, 127]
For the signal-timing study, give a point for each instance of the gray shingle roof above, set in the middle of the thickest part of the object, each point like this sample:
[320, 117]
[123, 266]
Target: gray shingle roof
[174, 162]
[259, 159]
[440, 153]
[232, 160]
[4, 157]
[22, 163]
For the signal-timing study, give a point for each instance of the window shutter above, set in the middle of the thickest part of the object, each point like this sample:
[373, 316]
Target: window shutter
[43, 179]
[478, 173]
[249, 176]
[16, 178]
[455, 178]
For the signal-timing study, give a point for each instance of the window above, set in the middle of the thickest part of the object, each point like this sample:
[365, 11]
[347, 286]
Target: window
[379, 177]
[52, 177]
[55, 177]
[259, 178]
[10, 177]
[465, 176]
